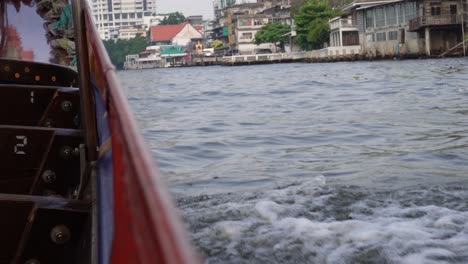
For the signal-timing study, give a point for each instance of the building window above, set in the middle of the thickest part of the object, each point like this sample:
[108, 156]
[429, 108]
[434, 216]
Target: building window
[391, 15]
[401, 13]
[369, 19]
[139, 15]
[453, 9]
[393, 35]
[124, 16]
[132, 15]
[117, 16]
[410, 10]
[259, 22]
[248, 35]
[379, 17]
[381, 36]
[245, 22]
[435, 10]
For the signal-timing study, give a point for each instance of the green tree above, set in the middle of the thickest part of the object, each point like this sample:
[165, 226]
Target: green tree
[296, 6]
[334, 4]
[273, 33]
[119, 49]
[173, 19]
[312, 24]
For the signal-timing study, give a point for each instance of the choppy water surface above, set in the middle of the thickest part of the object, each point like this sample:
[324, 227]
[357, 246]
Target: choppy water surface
[314, 163]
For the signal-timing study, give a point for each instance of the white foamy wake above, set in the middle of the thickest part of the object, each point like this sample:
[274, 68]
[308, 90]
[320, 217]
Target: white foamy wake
[312, 223]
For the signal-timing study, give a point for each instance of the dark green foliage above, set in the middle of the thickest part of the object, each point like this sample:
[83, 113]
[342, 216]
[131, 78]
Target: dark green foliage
[117, 50]
[296, 6]
[173, 19]
[312, 24]
[334, 4]
[273, 33]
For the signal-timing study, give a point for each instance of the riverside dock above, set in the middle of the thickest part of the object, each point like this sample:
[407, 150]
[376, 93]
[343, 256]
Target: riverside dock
[306, 56]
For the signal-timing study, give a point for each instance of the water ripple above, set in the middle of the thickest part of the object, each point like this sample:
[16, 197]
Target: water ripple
[262, 158]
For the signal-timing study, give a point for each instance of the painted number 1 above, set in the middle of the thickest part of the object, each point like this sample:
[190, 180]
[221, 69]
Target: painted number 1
[19, 147]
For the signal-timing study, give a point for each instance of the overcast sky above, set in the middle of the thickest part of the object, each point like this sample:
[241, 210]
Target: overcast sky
[187, 7]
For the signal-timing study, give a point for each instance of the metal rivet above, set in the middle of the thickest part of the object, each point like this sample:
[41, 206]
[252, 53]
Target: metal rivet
[67, 106]
[54, 78]
[76, 152]
[26, 69]
[60, 234]
[49, 176]
[48, 123]
[66, 152]
[37, 78]
[7, 68]
[17, 75]
[76, 121]
[32, 261]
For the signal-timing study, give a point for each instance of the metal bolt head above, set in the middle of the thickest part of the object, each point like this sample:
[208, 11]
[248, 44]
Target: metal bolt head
[76, 152]
[48, 123]
[49, 176]
[66, 152]
[60, 234]
[76, 121]
[67, 106]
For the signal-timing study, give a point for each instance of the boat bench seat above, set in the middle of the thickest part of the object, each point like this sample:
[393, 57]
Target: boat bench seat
[39, 161]
[39, 131]
[41, 229]
[34, 73]
[43, 106]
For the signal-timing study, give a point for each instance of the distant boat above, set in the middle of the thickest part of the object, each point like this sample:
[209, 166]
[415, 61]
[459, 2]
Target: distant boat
[77, 182]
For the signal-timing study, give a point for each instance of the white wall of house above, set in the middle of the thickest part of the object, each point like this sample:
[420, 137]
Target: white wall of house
[386, 30]
[340, 51]
[389, 46]
[186, 35]
[248, 48]
[246, 36]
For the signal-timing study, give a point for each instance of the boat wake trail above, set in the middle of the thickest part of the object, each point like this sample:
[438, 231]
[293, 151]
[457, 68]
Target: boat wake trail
[312, 222]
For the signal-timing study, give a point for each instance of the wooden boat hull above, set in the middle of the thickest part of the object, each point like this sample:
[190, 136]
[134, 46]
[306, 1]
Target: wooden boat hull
[88, 185]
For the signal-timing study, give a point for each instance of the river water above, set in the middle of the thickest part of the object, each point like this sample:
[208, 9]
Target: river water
[361, 162]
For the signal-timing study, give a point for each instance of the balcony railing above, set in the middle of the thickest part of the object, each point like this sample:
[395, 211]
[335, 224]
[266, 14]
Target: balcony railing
[427, 21]
[341, 23]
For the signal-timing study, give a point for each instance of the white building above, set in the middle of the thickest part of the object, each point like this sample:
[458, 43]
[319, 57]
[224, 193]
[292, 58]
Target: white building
[112, 15]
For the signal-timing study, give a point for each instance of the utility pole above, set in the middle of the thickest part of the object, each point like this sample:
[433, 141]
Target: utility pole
[463, 7]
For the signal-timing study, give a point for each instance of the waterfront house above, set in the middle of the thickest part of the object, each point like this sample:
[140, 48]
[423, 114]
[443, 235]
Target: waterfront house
[148, 59]
[174, 55]
[246, 27]
[406, 27]
[183, 34]
[237, 24]
[440, 22]
[344, 37]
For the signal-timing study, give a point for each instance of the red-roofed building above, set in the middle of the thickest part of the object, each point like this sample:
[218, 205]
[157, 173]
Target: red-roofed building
[198, 27]
[27, 55]
[182, 34]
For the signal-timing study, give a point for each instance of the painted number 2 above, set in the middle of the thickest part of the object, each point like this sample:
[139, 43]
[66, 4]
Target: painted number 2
[19, 148]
